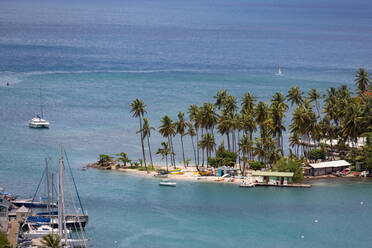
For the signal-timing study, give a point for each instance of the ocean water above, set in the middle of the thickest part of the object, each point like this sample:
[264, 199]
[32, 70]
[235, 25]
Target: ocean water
[93, 58]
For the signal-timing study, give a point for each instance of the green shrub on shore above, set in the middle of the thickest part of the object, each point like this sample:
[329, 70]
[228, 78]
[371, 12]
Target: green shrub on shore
[104, 160]
[317, 153]
[4, 243]
[256, 165]
[290, 165]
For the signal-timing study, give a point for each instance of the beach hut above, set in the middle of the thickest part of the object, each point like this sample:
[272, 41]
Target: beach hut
[21, 213]
[273, 177]
[325, 168]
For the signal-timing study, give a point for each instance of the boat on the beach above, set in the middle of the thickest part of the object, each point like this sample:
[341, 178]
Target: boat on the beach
[38, 121]
[167, 183]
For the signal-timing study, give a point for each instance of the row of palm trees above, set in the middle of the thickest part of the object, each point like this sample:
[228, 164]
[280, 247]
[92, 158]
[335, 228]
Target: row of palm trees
[254, 130]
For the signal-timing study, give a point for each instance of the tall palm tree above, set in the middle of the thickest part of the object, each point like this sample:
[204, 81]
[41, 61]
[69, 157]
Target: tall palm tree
[276, 115]
[226, 125]
[180, 129]
[295, 96]
[196, 119]
[52, 241]
[209, 116]
[146, 130]
[167, 130]
[362, 80]
[351, 125]
[246, 147]
[314, 96]
[248, 103]
[261, 115]
[294, 141]
[220, 98]
[191, 132]
[138, 110]
[164, 152]
[208, 143]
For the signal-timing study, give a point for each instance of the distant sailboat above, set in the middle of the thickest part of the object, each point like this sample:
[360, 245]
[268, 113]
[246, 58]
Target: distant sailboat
[38, 121]
[280, 73]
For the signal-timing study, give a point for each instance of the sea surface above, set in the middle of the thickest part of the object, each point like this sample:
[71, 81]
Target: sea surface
[92, 58]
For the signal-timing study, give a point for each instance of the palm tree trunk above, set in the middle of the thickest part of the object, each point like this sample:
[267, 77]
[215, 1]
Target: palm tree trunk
[183, 152]
[193, 147]
[197, 144]
[143, 147]
[228, 141]
[148, 144]
[173, 154]
[166, 161]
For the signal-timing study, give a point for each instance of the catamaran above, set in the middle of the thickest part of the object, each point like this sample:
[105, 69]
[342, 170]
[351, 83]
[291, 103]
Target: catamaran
[38, 121]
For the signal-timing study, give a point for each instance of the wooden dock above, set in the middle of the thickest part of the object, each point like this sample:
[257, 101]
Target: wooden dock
[293, 185]
[13, 231]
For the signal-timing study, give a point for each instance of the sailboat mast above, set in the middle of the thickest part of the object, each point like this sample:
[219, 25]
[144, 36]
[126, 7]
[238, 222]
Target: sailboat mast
[61, 202]
[48, 188]
[41, 105]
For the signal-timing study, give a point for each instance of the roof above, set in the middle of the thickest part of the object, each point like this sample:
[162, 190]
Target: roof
[22, 209]
[272, 173]
[330, 164]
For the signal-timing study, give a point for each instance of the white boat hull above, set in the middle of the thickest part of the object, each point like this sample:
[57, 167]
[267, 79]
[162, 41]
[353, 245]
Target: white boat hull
[38, 123]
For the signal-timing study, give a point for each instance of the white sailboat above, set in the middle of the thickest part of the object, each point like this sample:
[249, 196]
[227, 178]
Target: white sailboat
[38, 121]
[280, 73]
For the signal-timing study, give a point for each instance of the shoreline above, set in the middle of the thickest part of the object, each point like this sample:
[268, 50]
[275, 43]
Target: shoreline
[189, 175]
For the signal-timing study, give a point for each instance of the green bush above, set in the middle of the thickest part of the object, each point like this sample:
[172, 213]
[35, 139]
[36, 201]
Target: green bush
[256, 165]
[317, 153]
[104, 160]
[222, 158]
[290, 165]
[4, 243]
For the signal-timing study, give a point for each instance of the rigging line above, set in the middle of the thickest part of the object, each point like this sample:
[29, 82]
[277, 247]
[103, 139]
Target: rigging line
[37, 189]
[76, 210]
[73, 180]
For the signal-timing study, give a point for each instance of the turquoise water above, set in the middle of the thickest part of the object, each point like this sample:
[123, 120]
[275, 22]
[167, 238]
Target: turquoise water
[93, 58]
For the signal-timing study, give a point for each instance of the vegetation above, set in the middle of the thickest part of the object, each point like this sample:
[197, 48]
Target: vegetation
[4, 243]
[223, 158]
[317, 154]
[256, 165]
[290, 165]
[105, 160]
[52, 241]
[253, 130]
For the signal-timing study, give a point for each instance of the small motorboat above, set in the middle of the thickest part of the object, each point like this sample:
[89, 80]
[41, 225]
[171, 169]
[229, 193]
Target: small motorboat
[167, 183]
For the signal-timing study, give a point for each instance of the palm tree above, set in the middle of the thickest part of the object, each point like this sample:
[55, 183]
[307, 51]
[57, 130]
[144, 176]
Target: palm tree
[295, 96]
[226, 125]
[276, 115]
[191, 132]
[180, 129]
[362, 80]
[294, 141]
[259, 149]
[261, 115]
[164, 152]
[220, 98]
[146, 130]
[138, 109]
[123, 158]
[314, 96]
[246, 147]
[209, 116]
[167, 130]
[248, 103]
[351, 125]
[208, 143]
[52, 241]
[195, 118]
